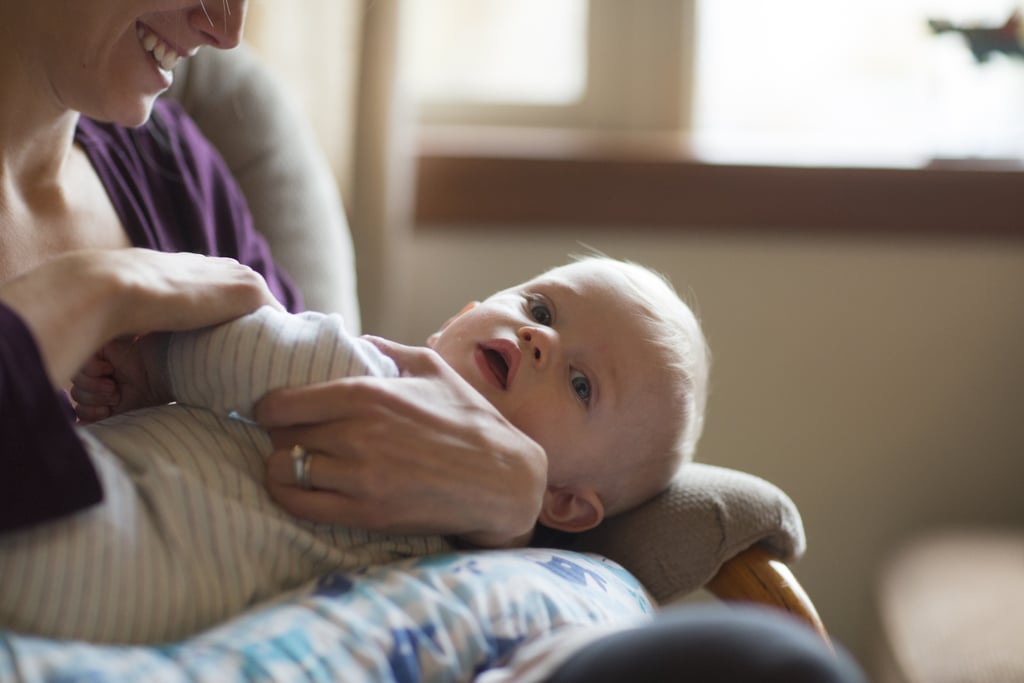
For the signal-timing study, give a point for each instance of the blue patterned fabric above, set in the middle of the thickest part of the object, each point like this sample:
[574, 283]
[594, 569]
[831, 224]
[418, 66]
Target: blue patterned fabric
[440, 618]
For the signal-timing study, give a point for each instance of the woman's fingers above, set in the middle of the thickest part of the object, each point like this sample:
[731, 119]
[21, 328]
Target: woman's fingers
[316, 506]
[412, 361]
[184, 291]
[340, 489]
[308, 405]
[334, 494]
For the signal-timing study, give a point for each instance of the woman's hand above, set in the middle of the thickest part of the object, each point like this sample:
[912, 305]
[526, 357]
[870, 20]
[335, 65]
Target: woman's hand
[424, 453]
[78, 301]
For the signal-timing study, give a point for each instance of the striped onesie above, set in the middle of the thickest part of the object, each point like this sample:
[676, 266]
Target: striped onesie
[187, 535]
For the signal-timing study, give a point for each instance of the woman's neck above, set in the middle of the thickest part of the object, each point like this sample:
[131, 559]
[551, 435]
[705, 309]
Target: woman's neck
[36, 129]
[51, 199]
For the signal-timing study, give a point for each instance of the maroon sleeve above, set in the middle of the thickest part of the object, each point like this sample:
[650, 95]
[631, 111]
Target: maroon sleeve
[44, 470]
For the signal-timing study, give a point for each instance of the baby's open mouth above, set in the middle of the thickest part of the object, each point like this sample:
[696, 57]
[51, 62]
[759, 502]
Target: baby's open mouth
[163, 54]
[498, 365]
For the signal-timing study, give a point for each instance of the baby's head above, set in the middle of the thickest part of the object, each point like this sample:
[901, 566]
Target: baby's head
[604, 366]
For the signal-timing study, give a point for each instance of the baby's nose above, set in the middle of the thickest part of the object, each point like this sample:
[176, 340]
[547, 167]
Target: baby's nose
[539, 342]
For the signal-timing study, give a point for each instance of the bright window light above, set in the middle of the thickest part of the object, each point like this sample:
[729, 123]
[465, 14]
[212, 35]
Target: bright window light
[498, 51]
[807, 78]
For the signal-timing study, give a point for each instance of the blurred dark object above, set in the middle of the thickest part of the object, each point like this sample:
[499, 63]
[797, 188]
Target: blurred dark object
[984, 41]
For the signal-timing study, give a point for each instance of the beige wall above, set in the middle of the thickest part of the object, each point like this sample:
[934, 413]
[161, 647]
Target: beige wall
[880, 383]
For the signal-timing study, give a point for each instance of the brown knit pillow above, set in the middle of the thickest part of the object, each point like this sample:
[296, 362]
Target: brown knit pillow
[675, 543]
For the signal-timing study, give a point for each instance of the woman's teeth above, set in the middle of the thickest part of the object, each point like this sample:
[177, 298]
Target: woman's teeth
[163, 54]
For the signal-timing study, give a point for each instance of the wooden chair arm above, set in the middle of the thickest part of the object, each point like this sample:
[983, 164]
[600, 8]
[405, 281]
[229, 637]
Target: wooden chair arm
[755, 575]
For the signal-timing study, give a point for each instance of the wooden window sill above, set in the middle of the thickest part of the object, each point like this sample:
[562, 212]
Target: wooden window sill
[499, 178]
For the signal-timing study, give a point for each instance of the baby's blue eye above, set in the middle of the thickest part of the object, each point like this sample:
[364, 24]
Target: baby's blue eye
[540, 312]
[581, 385]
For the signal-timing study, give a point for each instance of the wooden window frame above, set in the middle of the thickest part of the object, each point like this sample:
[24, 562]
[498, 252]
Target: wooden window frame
[477, 178]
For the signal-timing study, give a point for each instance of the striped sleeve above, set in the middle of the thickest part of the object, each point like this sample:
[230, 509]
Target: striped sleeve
[229, 367]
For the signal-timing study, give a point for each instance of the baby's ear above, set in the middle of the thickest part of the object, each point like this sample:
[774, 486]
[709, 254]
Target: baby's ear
[432, 339]
[571, 509]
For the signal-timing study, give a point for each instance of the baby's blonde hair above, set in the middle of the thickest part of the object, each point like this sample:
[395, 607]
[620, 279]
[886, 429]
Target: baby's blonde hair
[679, 346]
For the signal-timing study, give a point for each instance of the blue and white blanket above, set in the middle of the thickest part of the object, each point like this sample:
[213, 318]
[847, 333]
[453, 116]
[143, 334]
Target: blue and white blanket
[441, 618]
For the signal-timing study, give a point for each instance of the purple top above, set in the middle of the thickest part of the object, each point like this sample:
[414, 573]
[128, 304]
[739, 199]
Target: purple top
[172, 192]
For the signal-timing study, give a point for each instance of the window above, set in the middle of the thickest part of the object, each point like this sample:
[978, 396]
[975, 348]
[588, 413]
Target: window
[862, 82]
[551, 63]
[472, 51]
[794, 114]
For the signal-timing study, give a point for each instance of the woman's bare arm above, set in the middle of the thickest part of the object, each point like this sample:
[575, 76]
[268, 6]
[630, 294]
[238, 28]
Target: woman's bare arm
[76, 302]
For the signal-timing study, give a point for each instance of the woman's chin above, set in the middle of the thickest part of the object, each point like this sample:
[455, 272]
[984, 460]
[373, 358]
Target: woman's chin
[135, 113]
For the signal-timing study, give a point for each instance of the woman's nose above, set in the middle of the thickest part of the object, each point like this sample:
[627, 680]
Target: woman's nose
[222, 22]
[539, 343]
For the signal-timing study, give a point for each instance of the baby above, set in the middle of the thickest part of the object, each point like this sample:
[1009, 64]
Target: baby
[599, 361]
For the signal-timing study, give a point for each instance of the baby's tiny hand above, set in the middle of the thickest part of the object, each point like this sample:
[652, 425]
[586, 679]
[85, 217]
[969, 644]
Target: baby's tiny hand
[94, 390]
[115, 380]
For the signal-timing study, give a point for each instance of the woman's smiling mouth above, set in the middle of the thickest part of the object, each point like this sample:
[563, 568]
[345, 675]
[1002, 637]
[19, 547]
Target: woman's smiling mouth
[164, 54]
